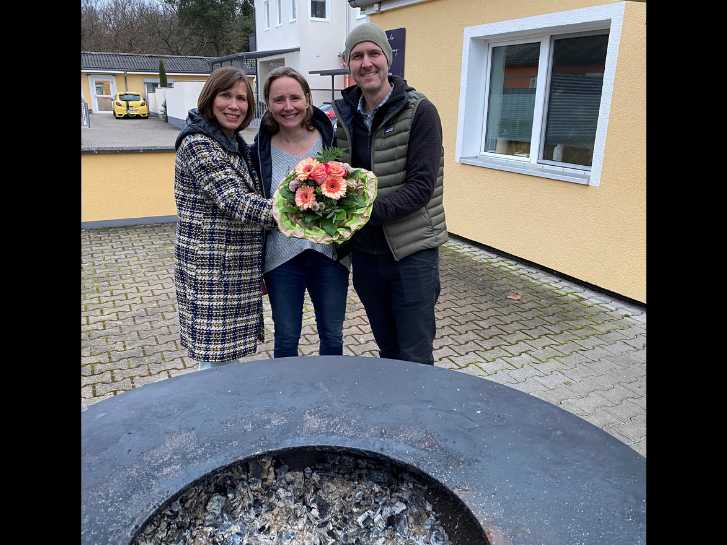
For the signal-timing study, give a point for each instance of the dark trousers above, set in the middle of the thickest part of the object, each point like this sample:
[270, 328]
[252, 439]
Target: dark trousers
[399, 298]
[327, 283]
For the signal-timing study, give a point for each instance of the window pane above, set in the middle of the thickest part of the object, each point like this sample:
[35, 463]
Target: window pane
[575, 96]
[292, 9]
[280, 12]
[512, 99]
[103, 88]
[318, 9]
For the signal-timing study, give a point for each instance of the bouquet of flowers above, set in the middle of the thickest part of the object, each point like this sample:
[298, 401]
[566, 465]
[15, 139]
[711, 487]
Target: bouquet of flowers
[323, 200]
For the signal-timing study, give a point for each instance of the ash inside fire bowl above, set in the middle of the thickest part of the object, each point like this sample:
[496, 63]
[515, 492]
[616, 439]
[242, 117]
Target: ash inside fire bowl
[331, 499]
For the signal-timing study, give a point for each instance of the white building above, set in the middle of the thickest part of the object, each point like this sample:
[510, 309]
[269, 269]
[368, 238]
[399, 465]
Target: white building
[311, 35]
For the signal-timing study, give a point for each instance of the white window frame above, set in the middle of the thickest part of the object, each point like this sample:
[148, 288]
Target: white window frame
[279, 5]
[293, 11]
[328, 11]
[266, 9]
[472, 115]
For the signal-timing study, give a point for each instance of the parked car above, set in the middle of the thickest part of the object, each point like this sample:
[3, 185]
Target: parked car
[130, 105]
[330, 112]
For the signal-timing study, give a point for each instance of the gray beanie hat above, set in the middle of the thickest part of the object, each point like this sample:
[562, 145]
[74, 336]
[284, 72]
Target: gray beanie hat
[368, 32]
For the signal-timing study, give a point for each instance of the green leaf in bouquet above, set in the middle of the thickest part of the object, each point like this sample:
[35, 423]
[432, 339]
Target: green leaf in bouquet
[329, 154]
[329, 227]
[287, 194]
[341, 215]
[309, 219]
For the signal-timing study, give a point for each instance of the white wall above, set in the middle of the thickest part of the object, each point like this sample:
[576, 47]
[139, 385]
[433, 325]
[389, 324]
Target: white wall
[180, 99]
[156, 99]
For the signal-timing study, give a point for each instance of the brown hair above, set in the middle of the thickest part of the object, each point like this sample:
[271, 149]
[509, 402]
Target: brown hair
[281, 72]
[221, 80]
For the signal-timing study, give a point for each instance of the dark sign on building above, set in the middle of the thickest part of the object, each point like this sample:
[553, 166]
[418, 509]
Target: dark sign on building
[397, 39]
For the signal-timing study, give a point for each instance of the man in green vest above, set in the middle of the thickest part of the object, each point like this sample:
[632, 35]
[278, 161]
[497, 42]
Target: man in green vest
[386, 126]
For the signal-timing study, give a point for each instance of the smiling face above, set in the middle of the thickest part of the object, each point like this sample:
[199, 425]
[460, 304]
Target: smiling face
[230, 107]
[370, 69]
[287, 103]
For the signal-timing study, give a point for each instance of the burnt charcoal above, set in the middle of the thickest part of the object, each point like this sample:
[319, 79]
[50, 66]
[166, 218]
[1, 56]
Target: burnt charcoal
[343, 500]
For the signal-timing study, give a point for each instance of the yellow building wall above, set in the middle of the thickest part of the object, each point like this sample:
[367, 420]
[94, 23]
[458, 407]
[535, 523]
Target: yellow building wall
[127, 185]
[595, 234]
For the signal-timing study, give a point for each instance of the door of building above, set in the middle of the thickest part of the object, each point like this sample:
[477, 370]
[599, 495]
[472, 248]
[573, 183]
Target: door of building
[103, 89]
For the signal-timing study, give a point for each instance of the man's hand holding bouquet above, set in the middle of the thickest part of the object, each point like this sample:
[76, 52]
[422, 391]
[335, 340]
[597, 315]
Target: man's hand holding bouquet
[324, 200]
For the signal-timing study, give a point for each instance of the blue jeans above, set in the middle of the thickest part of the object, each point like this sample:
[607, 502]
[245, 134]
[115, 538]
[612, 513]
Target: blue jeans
[327, 283]
[399, 298]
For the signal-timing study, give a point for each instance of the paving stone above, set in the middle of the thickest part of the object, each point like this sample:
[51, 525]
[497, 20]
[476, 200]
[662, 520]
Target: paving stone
[517, 349]
[520, 361]
[170, 346]
[102, 389]
[547, 367]
[99, 368]
[557, 395]
[502, 377]
[125, 354]
[97, 379]
[537, 334]
[473, 369]
[466, 348]
[516, 337]
[624, 410]
[551, 380]
[491, 367]
[137, 371]
[446, 363]
[444, 352]
[466, 359]
[529, 387]
[546, 354]
[579, 373]
[638, 387]
[98, 358]
[522, 374]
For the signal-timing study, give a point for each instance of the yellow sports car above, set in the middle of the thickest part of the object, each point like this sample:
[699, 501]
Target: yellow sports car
[130, 105]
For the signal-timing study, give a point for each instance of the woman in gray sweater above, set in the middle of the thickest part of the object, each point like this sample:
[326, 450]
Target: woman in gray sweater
[292, 130]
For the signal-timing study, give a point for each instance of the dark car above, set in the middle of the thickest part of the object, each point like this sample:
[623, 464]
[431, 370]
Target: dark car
[328, 110]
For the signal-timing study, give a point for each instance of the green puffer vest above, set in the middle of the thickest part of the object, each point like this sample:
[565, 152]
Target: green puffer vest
[425, 228]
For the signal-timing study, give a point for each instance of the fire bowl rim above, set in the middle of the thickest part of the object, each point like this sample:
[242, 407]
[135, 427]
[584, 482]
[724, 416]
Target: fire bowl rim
[530, 472]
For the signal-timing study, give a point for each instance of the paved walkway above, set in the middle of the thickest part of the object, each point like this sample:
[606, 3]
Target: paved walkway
[496, 319]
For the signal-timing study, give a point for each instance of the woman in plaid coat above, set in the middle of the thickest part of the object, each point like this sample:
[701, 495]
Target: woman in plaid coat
[222, 217]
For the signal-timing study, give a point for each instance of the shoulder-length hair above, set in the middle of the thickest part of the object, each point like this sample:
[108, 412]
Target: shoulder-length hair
[280, 72]
[221, 80]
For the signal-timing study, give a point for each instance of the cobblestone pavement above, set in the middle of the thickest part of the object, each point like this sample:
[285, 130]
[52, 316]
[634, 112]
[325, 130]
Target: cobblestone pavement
[496, 319]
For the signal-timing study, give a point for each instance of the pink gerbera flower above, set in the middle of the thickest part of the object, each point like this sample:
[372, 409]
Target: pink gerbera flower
[304, 168]
[305, 197]
[334, 187]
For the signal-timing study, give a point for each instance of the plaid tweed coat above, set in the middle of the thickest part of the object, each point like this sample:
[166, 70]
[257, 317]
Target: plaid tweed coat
[221, 223]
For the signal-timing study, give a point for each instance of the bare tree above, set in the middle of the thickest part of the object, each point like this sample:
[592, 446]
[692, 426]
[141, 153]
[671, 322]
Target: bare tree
[173, 27]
